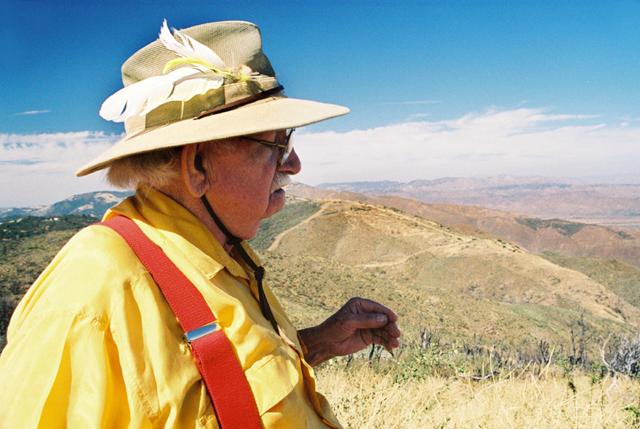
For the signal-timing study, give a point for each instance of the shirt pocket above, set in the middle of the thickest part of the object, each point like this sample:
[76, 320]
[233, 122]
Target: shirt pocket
[272, 379]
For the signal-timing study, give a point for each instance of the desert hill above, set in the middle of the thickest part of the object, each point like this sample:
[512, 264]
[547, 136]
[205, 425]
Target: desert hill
[534, 234]
[461, 286]
[571, 199]
[623, 279]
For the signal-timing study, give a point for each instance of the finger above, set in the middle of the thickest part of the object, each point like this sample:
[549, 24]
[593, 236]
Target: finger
[381, 337]
[354, 322]
[368, 306]
[392, 329]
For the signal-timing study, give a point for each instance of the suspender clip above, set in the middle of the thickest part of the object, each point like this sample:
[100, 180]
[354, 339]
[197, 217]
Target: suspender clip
[200, 332]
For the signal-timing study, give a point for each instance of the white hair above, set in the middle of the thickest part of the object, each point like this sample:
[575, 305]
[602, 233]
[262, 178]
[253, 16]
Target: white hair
[156, 169]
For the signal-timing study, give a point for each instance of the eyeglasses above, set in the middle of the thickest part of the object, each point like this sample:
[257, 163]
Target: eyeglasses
[285, 145]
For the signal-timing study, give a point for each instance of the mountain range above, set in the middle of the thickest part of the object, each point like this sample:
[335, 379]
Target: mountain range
[569, 199]
[88, 204]
[555, 236]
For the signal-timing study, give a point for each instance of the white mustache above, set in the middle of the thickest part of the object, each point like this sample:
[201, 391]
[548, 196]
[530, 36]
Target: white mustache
[280, 181]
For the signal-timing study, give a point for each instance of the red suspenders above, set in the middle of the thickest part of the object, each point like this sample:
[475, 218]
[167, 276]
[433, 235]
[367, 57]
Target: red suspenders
[226, 383]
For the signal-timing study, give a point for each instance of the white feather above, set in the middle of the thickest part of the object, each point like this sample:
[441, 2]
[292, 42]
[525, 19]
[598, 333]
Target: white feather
[143, 96]
[188, 46]
[185, 90]
[180, 84]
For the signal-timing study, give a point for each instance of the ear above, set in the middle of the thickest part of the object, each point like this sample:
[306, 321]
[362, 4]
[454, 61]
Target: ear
[193, 169]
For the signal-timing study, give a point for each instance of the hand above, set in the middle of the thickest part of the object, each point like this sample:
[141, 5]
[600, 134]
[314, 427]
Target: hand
[357, 324]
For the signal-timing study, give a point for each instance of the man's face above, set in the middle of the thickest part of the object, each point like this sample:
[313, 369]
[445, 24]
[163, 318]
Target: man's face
[244, 185]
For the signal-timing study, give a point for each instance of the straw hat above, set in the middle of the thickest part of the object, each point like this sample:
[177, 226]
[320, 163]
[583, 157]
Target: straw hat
[207, 82]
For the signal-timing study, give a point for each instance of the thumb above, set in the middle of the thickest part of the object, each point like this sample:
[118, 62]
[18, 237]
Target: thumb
[366, 321]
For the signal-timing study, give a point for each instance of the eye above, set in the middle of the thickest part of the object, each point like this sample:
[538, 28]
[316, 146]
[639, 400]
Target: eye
[262, 153]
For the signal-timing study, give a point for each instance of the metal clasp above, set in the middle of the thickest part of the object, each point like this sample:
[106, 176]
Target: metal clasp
[200, 332]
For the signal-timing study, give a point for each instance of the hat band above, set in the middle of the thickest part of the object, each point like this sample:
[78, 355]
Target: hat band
[227, 97]
[241, 102]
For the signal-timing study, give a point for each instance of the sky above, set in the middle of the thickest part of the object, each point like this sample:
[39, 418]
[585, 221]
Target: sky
[456, 88]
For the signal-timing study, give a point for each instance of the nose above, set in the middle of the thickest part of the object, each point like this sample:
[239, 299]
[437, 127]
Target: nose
[292, 165]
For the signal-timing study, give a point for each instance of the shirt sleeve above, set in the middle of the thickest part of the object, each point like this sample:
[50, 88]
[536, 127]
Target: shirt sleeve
[61, 370]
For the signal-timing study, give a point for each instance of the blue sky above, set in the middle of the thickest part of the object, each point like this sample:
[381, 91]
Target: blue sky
[560, 64]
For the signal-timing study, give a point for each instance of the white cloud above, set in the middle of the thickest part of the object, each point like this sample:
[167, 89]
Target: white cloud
[32, 112]
[521, 141]
[39, 168]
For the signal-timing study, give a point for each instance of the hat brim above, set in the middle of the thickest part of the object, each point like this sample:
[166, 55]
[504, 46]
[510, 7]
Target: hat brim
[273, 113]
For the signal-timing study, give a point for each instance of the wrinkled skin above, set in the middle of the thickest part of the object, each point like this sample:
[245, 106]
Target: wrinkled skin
[359, 323]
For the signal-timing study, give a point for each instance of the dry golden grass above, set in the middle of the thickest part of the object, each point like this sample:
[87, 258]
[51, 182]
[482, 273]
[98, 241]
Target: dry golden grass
[364, 398]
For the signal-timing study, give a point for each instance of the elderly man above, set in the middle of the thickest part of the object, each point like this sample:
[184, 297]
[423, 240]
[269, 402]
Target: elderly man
[160, 316]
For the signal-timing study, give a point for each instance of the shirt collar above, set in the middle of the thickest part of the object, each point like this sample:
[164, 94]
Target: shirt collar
[181, 228]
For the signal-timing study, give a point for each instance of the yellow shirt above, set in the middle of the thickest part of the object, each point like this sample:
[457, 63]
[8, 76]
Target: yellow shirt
[94, 344]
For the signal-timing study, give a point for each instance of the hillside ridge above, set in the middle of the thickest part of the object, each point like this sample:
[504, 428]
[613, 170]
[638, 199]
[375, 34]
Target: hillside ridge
[354, 248]
[534, 234]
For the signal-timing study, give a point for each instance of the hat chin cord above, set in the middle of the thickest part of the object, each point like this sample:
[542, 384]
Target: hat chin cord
[258, 271]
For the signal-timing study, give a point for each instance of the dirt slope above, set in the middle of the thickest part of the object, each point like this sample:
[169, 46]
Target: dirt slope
[535, 235]
[438, 278]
